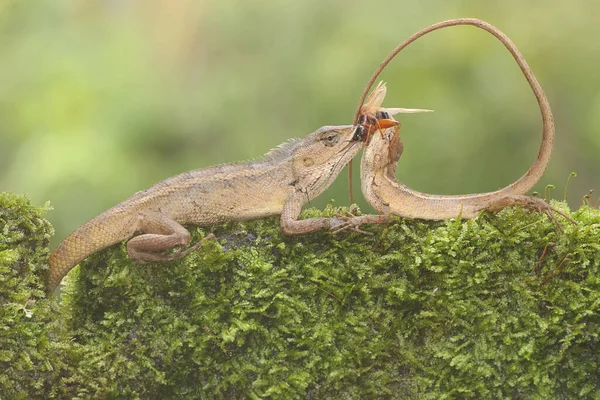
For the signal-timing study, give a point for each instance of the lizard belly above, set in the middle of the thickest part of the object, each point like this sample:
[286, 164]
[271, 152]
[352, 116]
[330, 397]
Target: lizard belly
[406, 202]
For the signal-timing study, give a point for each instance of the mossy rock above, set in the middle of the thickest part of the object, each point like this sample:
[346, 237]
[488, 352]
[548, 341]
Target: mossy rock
[29, 362]
[502, 306]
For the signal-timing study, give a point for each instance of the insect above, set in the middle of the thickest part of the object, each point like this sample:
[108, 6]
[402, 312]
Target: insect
[373, 117]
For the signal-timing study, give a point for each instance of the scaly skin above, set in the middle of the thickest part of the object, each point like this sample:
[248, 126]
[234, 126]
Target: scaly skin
[380, 158]
[391, 197]
[280, 182]
[533, 175]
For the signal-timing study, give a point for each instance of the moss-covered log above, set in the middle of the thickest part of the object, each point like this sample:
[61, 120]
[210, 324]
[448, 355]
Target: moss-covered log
[503, 306]
[29, 361]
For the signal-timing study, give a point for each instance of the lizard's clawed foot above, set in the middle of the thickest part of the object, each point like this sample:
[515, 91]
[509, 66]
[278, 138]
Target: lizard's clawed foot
[150, 256]
[182, 253]
[354, 222]
[551, 214]
[347, 220]
[346, 214]
[345, 223]
[532, 203]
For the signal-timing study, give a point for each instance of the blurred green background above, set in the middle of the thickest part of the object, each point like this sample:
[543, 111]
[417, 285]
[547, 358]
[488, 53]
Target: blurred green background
[100, 99]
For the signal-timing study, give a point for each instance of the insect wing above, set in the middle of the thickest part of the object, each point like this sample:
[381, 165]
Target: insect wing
[374, 100]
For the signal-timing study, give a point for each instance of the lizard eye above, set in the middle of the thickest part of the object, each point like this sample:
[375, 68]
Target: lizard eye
[330, 138]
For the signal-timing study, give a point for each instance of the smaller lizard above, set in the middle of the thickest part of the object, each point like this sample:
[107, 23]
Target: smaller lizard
[380, 158]
[391, 197]
[548, 139]
[280, 182]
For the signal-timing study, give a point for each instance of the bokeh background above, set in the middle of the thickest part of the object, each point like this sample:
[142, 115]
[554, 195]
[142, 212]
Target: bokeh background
[102, 98]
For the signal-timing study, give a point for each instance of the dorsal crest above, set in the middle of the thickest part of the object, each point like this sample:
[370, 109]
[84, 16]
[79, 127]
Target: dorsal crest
[284, 150]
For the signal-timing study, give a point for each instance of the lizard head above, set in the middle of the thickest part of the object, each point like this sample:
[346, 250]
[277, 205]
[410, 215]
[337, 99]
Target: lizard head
[321, 156]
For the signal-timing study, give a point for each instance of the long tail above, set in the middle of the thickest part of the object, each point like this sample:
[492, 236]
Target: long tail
[535, 172]
[111, 227]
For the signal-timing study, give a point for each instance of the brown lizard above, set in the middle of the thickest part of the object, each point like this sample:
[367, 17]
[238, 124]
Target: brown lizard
[525, 183]
[378, 166]
[280, 182]
[391, 197]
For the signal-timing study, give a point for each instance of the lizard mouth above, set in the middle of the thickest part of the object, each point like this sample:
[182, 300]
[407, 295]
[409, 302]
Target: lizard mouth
[343, 152]
[351, 143]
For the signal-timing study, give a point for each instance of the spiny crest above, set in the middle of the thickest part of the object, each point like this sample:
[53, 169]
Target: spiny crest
[279, 153]
[284, 150]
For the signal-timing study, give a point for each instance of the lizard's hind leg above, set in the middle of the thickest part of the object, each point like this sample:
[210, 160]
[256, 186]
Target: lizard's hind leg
[159, 233]
[530, 203]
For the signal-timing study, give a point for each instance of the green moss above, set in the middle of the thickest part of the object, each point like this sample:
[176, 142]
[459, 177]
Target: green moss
[497, 307]
[26, 346]
[503, 306]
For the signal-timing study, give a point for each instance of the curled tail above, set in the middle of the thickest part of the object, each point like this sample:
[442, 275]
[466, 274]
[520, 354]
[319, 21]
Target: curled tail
[535, 172]
[108, 228]
[389, 195]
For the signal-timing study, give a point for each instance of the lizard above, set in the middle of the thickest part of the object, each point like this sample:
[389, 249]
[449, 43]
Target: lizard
[279, 183]
[391, 197]
[380, 158]
[548, 123]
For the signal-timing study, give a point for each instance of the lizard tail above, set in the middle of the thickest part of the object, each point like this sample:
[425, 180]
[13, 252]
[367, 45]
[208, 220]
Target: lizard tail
[535, 172]
[105, 230]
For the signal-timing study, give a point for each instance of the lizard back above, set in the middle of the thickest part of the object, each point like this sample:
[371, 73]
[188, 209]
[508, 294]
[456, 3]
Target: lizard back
[238, 191]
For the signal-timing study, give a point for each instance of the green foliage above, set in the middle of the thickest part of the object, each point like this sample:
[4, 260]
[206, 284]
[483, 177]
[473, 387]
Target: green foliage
[497, 307]
[26, 347]
[502, 306]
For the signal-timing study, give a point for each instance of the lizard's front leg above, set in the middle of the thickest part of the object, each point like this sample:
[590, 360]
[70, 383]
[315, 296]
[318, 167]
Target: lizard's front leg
[291, 225]
[159, 233]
